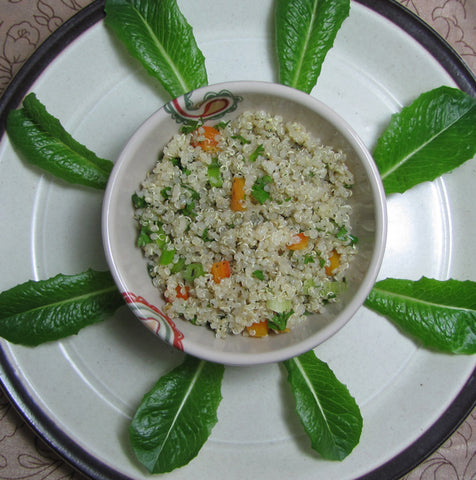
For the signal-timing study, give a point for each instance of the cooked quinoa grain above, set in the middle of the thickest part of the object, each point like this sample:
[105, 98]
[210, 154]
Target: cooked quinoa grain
[246, 226]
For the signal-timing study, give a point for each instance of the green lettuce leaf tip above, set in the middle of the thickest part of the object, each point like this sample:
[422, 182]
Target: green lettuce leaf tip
[158, 35]
[441, 314]
[433, 135]
[305, 32]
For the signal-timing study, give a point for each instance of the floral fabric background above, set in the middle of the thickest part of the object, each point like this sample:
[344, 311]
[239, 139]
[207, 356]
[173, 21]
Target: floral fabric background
[24, 25]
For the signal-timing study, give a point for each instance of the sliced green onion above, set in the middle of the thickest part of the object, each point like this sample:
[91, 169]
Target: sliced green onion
[333, 289]
[162, 238]
[278, 305]
[178, 266]
[146, 233]
[193, 271]
[214, 175]
[307, 285]
[166, 257]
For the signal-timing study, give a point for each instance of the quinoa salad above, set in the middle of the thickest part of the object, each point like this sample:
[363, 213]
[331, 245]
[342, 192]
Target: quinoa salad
[245, 225]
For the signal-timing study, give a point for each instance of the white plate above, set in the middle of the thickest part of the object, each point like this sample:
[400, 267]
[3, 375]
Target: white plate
[80, 393]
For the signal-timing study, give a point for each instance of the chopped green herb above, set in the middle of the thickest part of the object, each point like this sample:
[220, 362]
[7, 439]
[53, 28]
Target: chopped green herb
[193, 271]
[204, 236]
[191, 126]
[221, 125]
[165, 192]
[195, 194]
[258, 191]
[242, 139]
[345, 236]
[256, 153]
[258, 274]
[308, 258]
[176, 162]
[342, 233]
[279, 320]
[353, 239]
[188, 210]
[138, 202]
[144, 236]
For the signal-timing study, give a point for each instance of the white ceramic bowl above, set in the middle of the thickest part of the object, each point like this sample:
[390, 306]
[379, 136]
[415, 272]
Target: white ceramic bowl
[226, 101]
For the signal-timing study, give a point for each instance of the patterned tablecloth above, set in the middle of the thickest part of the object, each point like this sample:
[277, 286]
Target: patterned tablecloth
[24, 25]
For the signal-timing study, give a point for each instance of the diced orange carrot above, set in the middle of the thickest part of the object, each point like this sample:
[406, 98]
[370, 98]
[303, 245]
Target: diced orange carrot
[210, 142]
[334, 262]
[221, 270]
[298, 242]
[258, 329]
[181, 292]
[238, 194]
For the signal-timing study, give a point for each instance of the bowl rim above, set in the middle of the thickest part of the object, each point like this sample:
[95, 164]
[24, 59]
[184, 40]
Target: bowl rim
[380, 212]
